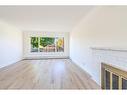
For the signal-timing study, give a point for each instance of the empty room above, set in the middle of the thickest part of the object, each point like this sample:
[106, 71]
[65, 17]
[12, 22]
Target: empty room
[63, 47]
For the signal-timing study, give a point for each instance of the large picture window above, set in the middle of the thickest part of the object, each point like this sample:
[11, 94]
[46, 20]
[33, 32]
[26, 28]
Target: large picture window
[47, 44]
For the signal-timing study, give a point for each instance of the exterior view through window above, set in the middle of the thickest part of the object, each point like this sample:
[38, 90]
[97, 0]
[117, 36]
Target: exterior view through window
[47, 44]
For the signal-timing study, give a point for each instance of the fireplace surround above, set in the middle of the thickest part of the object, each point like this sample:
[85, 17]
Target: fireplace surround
[113, 77]
[109, 57]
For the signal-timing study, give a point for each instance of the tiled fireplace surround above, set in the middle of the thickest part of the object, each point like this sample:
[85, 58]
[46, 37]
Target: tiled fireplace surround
[112, 56]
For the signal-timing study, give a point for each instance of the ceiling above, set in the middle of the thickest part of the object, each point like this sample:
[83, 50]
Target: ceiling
[44, 18]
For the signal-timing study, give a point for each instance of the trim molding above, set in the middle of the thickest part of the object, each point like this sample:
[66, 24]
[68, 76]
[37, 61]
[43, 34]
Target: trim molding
[84, 72]
[42, 58]
[81, 69]
[3, 68]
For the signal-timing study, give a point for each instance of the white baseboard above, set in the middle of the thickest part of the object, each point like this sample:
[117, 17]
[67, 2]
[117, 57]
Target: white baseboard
[39, 58]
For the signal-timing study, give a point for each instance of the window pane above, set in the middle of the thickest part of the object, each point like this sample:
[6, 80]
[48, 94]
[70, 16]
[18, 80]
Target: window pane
[124, 83]
[47, 44]
[34, 44]
[60, 44]
[115, 81]
[107, 79]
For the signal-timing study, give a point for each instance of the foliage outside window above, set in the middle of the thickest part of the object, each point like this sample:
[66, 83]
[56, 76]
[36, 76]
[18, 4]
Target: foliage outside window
[34, 44]
[47, 44]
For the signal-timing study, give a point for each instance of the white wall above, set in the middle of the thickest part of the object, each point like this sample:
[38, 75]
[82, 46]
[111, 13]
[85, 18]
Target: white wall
[10, 44]
[102, 27]
[27, 46]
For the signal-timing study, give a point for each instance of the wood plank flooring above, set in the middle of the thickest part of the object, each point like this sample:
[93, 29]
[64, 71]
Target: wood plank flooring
[45, 74]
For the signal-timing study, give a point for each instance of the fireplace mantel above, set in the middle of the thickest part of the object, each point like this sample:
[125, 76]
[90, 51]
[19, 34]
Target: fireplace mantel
[110, 49]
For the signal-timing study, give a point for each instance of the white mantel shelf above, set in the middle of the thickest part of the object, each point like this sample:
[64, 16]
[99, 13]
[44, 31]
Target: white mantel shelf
[110, 49]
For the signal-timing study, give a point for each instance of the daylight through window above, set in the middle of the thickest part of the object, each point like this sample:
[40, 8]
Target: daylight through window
[47, 44]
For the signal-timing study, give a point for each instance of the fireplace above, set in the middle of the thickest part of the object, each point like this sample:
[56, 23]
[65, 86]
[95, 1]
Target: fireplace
[113, 77]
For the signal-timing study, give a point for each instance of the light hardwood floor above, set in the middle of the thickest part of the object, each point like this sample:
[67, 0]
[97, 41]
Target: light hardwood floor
[45, 74]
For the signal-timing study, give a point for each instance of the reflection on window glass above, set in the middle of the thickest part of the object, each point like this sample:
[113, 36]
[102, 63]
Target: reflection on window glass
[107, 78]
[115, 81]
[124, 83]
[34, 44]
[47, 44]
